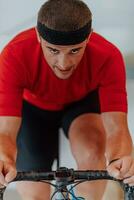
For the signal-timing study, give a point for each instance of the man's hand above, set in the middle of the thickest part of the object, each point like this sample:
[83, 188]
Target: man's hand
[123, 168]
[9, 127]
[7, 172]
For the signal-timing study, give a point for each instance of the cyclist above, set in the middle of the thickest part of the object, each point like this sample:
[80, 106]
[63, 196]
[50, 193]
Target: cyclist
[62, 74]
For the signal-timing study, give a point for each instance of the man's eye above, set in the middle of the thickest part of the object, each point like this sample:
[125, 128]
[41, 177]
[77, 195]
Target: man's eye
[54, 51]
[74, 51]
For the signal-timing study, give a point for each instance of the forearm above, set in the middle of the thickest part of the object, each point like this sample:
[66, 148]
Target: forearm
[9, 127]
[8, 148]
[118, 144]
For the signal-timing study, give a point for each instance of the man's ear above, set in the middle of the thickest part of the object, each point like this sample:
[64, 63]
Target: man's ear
[38, 36]
[89, 36]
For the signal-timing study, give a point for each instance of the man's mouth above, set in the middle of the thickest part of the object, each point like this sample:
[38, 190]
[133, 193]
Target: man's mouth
[64, 70]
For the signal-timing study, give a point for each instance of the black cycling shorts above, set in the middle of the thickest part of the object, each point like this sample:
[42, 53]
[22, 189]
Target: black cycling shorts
[37, 140]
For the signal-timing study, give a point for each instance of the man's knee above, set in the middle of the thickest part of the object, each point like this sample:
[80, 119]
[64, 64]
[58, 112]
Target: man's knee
[92, 158]
[33, 190]
[88, 147]
[88, 142]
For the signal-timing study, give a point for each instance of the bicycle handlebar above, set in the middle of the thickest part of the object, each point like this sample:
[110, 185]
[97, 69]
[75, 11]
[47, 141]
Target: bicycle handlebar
[64, 176]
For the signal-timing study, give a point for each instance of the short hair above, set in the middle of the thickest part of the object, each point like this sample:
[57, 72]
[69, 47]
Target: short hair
[64, 15]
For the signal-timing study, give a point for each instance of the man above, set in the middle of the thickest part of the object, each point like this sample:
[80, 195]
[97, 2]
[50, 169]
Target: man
[63, 74]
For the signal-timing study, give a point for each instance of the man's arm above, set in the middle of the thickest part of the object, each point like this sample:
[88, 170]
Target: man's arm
[9, 127]
[119, 146]
[119, 142]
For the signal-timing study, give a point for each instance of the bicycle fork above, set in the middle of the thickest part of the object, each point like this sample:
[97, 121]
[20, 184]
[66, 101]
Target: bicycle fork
[62, 194]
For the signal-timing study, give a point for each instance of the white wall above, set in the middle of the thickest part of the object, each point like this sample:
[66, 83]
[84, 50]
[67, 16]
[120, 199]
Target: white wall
[13, 13]
[113, 19]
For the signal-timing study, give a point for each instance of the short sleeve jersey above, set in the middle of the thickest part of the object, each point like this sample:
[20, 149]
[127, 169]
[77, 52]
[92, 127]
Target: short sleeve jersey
[25, 74]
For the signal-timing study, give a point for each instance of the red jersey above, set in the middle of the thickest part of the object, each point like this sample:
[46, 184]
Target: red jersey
[25, 74]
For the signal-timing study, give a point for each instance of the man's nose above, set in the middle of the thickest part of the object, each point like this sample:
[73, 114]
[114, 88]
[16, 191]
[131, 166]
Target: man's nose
[64, 63]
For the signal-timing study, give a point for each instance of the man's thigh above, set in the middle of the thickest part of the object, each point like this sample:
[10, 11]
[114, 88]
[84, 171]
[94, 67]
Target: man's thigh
[83, 126]
[90, 104]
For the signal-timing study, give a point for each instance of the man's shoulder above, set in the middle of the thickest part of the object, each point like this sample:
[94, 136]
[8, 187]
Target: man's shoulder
[25, 35]
[102, 45]
[21, 45]
[24, 38]
[100, 51]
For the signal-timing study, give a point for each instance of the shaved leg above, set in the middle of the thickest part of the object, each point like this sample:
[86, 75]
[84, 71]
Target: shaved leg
[33, 190]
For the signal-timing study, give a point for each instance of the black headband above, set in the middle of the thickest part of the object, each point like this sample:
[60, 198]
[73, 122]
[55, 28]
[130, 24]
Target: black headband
[64, 37]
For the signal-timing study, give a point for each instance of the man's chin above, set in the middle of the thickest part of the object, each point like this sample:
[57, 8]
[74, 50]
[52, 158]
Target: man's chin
[63, 76]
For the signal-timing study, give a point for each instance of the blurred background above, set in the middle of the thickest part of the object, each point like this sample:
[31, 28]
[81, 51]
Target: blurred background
[113, 19]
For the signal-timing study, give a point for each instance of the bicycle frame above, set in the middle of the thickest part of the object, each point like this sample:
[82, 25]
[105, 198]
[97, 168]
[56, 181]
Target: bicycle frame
[65, 177]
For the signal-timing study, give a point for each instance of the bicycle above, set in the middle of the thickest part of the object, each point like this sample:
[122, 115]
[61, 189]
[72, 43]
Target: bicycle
[65, 177]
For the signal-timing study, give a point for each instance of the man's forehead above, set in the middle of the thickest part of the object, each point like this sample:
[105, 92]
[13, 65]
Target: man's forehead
[63, 47]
